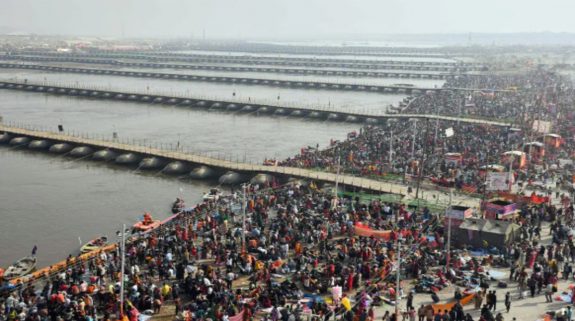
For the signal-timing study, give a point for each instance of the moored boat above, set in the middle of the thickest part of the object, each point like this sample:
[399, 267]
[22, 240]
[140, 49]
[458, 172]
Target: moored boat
[178, 205]
[213, 194]
[146, 224]
[21, 268]
[94, 244]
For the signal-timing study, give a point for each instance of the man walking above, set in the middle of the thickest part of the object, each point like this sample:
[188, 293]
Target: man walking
[490, 301]
[494, 301]
[410, 301]
[507, 301]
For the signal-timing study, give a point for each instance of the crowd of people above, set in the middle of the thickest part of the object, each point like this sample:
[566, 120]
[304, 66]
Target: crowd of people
[296, 245]
[291, 248]
[457, 154]
[299, 251]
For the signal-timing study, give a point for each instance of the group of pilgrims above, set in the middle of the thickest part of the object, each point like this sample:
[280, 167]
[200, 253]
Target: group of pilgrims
[294, 252]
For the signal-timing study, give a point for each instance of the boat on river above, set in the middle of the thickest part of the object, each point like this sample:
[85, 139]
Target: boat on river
[147, 224]
[94, 244]
[178, 206]
[213, 195]
[21, 268]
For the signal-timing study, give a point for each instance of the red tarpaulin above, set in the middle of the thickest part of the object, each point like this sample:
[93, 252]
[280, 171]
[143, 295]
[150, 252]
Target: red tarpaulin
[536, 199]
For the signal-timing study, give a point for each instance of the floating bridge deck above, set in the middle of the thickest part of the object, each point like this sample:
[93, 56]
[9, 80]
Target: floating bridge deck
[321, 85]
[203, 59]
[352, 181]
[280, 70]
[234, 106]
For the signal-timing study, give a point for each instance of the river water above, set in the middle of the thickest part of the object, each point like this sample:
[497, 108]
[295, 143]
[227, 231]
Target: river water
[54, 201]
[234, 135]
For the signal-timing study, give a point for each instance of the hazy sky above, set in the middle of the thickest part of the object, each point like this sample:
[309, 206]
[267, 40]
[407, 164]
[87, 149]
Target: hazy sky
[281, 19]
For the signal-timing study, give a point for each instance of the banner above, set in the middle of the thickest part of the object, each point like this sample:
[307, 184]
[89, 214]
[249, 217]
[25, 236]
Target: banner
[499, 208]
[497, 181]
[365, 231]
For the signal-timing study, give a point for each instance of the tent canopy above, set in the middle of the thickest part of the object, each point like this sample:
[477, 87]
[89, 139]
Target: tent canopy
[494, 167]
[488, 226]
[472, 224]
[553, 135]
[514, 153]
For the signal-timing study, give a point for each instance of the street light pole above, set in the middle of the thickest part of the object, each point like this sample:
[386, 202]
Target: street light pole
[245, 201]
[335, 196]
[448, 248]
[398, 278]
[391, 150]
[122, 267]
[423, 159]
[413, 142]
[512, 158]
[436, 125]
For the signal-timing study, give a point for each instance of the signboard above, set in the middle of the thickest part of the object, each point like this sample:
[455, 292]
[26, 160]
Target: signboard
[497, 181]
[565, 162]
[543, 127]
